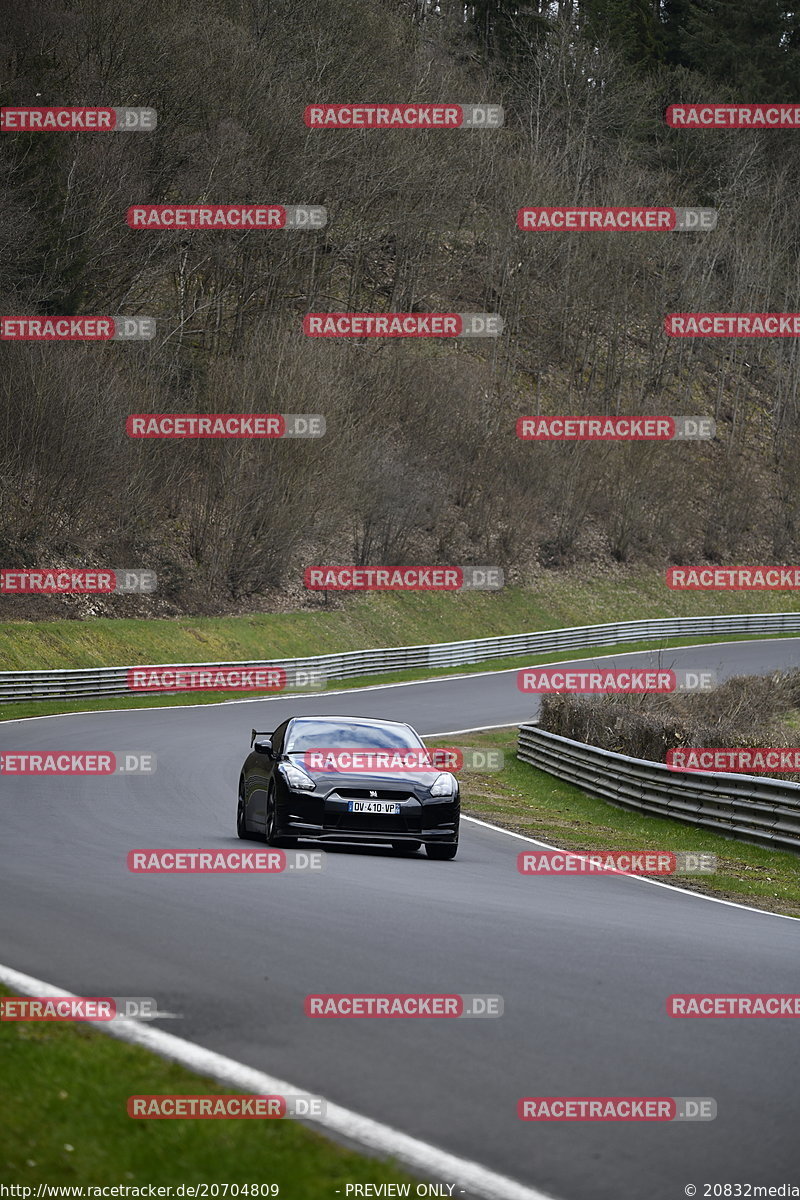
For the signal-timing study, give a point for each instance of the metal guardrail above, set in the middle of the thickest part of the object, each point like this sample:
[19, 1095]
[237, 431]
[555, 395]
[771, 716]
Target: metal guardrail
[112, 681]
[766, 811]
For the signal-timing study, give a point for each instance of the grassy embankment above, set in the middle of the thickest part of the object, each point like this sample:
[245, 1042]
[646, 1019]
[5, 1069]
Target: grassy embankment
[388, 619]
[63, 1121]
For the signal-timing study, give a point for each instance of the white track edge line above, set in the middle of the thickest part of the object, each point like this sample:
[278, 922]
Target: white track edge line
[382, 1139]
[671, 887]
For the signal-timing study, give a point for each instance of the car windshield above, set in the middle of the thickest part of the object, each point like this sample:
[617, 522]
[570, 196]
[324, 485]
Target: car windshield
[342, 735]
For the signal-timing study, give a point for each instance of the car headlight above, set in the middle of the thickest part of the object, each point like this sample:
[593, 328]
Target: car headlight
[296, 778]
[444, 785]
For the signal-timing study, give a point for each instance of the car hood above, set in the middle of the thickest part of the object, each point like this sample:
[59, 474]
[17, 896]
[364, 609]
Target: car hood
[400, 781]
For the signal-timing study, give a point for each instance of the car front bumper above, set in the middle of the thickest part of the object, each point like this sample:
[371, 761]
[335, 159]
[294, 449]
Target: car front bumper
[428, 822]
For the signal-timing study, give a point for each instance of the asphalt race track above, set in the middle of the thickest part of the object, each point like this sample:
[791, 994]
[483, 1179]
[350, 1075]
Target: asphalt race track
[585, 964]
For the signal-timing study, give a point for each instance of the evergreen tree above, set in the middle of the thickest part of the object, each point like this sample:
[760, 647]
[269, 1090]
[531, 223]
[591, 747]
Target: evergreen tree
[506, 28]
[633, 27]
[750, 45]
[674, 17]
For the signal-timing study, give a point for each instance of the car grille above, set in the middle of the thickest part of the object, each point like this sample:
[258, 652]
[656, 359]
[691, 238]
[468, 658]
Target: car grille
[373, 794]
[376, 823]
[408, 820]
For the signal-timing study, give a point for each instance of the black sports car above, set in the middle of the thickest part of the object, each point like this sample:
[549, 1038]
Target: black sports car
[347, 779]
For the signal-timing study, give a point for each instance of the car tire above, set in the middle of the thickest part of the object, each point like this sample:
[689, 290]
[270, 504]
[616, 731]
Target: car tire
[241, 826]
[271, 818]
[406, 847]
[271, 836]
[442, 852]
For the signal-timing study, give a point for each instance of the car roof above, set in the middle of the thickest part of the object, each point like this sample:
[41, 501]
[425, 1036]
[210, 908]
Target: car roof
[350, 720]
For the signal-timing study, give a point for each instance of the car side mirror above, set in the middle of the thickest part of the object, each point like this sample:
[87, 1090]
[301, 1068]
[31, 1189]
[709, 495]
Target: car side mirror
[263, 746]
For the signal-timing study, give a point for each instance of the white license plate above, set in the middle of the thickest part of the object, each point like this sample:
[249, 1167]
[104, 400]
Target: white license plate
[373, 806]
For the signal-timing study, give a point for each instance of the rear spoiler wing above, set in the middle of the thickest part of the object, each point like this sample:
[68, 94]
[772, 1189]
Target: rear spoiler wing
[254, 733]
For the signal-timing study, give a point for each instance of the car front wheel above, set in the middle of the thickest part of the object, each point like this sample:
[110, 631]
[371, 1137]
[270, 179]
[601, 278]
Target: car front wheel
[273, 838]
[272, 818]
[241, 825]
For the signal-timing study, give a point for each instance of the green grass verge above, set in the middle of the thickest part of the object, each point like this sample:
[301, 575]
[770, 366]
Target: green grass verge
[537, 804]
[556, 600]
[43, 708]
[63, 1120]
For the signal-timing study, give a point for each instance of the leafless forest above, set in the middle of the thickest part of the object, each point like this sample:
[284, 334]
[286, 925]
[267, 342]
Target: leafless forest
[420, 463]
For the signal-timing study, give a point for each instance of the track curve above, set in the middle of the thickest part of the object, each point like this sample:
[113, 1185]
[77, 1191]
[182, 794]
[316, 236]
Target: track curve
[584, 964]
